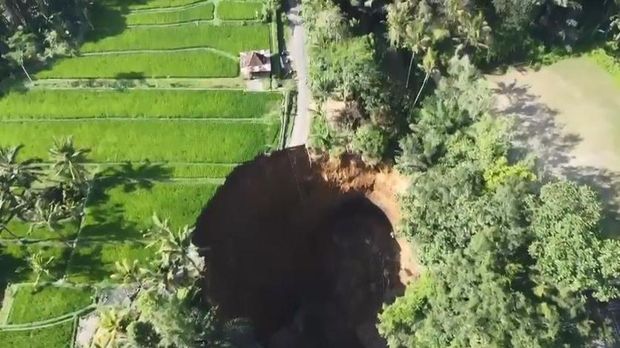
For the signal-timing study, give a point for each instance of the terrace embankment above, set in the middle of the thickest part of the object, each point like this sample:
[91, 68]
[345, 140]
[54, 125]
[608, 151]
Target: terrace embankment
[305, 250]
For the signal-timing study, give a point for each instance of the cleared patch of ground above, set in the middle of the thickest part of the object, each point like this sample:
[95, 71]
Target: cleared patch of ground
[305, 249]
[568, 115]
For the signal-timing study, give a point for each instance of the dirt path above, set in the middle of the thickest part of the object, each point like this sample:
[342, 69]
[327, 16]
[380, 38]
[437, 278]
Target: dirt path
[568, 115]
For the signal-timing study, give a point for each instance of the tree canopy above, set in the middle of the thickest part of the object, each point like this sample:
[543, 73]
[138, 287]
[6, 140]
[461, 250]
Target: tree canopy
[511, 262]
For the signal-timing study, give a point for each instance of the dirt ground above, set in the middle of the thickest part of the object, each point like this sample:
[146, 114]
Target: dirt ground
[568, 115]
[305, 249]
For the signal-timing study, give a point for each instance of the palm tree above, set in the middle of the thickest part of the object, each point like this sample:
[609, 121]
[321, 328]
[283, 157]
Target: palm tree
[428, 65]
[22, 48]
[131, 273]
[13, 172]
[179, 258]
[111, 328]
[69, 161]
[410, 26]
[39, 266]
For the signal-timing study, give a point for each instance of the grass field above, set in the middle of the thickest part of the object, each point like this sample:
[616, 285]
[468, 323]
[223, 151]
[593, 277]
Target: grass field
[51, 104]
[232, 39]
[94, 261]
[239, 10]
[134, 172]
[116, 211]
[157, 98]
[148, 4]
[14, 260]
[144, 65]
[196, 13]
[152, 140]
[57, 336]
[48, 302]
[65, 231]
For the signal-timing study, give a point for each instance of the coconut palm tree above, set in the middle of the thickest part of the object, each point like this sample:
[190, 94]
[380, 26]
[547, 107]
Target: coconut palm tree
[130, 272]
[179, 258]
[13, 172]
[69, 161]
[40, 266]
[110, 332]
[428, 65]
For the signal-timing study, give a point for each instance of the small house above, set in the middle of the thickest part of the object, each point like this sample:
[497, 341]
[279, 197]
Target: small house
[255, 64]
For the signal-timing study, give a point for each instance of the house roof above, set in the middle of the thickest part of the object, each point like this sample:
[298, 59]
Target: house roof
[254, 59]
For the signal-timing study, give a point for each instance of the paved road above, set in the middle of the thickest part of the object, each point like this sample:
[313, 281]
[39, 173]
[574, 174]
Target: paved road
[301, 127]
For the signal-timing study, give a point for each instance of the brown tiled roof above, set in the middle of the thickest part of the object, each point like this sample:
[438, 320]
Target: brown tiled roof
[254, 60]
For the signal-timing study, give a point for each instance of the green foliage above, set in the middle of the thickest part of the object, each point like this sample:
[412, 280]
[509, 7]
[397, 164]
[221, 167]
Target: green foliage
[421, 26]
[47, 302]
[141, 140]
[460, 99]
[502, 173]
[15, 261]
[232, 39]
[508, 266]
[371, 142]
[327, 25]
[182, 201]
[398, 321]
[190, 14]
[94, 261]
[149, 4]
[142, 334]
[55, 336]
[50, 104]
[144, 65]
[568, 247]
[607, 61]
[239, 10]
[346, 68]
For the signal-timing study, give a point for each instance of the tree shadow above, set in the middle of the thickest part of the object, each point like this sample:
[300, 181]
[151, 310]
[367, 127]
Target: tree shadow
[537, 132]
[607, 184]
[107, 221]
[10, 267]
[88, 264]
[131, 176]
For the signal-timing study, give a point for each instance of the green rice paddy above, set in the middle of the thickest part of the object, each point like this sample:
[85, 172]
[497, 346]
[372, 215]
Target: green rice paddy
[56, 336]
[154, 148]
[33, 305]
[228, 38]
[198, 63]
[181, 203]
[149, 4]
[69, 104]
[239, 10]
[147, 140]
[196, 13]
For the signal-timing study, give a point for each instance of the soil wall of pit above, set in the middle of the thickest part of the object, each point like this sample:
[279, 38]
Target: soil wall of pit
[301, 250]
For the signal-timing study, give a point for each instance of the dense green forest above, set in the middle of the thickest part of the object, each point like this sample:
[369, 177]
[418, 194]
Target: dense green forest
[32, 31]
[511, 259]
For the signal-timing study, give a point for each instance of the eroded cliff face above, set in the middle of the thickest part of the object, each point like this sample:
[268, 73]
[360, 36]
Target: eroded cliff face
[305, 249]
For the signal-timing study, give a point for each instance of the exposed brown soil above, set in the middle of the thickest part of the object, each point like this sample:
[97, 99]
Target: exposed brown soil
[305, 250]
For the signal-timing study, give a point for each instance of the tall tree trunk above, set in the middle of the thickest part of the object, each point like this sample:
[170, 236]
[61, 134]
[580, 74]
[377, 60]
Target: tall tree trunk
[26, 72]
[428, 74]
[409, 71]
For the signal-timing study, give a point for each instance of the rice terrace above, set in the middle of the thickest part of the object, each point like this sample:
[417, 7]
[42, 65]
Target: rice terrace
[309, 174]
[155, 95]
